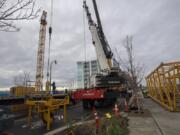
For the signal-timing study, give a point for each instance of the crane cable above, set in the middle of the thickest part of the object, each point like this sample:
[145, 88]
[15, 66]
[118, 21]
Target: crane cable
[50, 33]
[84, 34]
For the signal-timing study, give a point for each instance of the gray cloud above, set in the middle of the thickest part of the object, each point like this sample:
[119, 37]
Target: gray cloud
[154, 25]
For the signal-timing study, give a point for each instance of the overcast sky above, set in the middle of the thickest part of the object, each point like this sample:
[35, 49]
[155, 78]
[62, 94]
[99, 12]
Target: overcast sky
[154, 24]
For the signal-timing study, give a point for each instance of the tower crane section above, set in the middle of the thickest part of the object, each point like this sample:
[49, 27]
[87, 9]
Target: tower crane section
[40, 53]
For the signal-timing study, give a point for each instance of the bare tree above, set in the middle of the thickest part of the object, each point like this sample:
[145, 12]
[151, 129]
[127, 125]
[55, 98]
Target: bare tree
[13, 10]
[134, 74]
[134, 70]
[22, 79]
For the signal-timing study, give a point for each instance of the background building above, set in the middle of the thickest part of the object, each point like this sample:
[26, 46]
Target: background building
[84, 71]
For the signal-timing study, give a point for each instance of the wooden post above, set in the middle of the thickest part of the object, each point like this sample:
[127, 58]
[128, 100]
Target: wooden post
[65, 113]
[29, 115]
[48, 119]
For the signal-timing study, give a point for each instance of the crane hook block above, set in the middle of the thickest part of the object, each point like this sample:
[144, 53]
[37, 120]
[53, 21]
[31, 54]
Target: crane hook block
[50, 30]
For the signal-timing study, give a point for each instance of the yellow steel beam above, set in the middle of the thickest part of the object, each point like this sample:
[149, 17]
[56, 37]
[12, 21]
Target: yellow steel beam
[162, 84]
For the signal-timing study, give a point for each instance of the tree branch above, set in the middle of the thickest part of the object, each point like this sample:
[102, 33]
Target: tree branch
[135, 70]
[18, 10]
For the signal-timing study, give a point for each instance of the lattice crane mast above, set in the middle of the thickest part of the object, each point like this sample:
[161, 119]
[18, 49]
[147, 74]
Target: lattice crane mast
[40, 53]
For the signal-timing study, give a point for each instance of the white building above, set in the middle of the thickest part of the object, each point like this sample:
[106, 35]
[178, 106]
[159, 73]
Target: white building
[84, 71]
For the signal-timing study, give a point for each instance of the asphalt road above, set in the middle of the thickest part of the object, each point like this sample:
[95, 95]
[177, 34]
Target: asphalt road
[160, 122]
[74, 114]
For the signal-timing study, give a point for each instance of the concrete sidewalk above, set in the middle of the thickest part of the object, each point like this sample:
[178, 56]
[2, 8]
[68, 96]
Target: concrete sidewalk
[168, 122]
[162, 122]
[143, 126]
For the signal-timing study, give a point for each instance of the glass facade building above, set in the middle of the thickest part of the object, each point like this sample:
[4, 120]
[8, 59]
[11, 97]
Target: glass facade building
[84, 71]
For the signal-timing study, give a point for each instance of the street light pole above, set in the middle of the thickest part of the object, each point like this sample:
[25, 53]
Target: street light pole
[55, 62]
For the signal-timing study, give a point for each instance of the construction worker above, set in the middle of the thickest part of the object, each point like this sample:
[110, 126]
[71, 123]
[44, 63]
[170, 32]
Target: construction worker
[140, 98]
[121, 101]
[136, 101]
[53, 87]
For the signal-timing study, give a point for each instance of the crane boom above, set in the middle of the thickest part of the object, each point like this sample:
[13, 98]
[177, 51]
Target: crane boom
[40, 53]
[103, 50]
[98, 17]
[110, 71]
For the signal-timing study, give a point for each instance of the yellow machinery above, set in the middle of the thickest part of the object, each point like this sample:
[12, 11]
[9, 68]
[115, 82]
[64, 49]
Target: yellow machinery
[164, 85]
[45, 109]
[21, 91]
[41, 103]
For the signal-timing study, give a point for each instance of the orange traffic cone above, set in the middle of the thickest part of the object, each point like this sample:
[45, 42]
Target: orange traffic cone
[126, 106]
[96, 117]
[116, 110]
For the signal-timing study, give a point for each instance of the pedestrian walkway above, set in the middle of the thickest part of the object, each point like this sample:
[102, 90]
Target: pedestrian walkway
[160, 122]
[168, 122]
[143, 126]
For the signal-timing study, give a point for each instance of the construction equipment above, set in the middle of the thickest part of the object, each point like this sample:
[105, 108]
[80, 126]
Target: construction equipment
[110, 81]
[40, 54]
[109, 75]
[45, 109]
[21, 91]
[22, 99]
[164, 85]
[36, 101]
[44, 105]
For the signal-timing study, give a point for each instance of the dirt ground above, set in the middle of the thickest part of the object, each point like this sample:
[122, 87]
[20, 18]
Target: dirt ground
[112, 126]
[86, 129]
[89, 129]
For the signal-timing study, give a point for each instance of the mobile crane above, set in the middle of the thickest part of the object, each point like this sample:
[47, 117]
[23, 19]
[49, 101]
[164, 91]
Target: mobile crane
[105, 86]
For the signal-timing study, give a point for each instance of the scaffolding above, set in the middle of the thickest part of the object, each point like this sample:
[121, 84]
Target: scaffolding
[164, 85]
